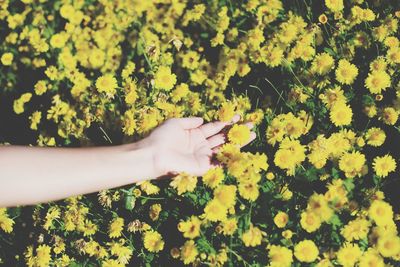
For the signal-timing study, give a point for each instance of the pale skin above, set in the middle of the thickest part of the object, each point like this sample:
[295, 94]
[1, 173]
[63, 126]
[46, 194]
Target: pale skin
[33, 175]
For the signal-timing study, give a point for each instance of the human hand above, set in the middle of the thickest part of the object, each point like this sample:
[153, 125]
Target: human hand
[187, 145]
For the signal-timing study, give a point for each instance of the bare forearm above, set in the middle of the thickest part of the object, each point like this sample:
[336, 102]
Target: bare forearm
[31, 175]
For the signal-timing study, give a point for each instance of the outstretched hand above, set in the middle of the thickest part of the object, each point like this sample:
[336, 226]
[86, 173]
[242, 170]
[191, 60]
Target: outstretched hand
[187, 145]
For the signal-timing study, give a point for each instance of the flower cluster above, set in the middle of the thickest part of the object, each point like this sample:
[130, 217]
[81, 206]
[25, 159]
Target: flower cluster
[317, 79]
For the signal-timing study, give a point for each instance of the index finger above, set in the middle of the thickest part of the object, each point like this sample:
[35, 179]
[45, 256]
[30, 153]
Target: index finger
[212, 128]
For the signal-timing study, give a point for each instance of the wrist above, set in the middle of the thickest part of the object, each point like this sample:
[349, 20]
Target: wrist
[143, 154]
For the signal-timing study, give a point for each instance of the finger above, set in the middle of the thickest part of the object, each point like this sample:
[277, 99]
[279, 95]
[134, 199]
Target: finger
[235, 119]
[216, 149]
[250, 125]
[253, 136]
[190, 122]
[216, 140]
[212, 128]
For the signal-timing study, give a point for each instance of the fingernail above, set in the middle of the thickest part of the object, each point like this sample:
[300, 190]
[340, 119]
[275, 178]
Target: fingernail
[235, 118]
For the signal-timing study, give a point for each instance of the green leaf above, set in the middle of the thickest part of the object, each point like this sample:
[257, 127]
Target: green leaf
[311, 174]
[335, 173]
[130, 202]
[349, 184]
[204, 35]
[329, 51]
[205, 246]
[143, 201]
[335, 221]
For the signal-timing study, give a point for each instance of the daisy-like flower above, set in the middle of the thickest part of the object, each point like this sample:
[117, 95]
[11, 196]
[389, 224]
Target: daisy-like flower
[306, 251]
[346, 72]
[239, 134]
[384, 165]
[341, 114]
[107, 84]
[164, 79]
[153, 241]
[334, 5]
[377, 81]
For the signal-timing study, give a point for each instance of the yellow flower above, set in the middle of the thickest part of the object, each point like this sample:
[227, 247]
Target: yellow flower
[319, 206]
[66, 11]
[18, 104]
[306, 251]
[90, 228]
[52, 213]
[229, 226]
[107, 84]
[184, 182]
[35, 119]
[352, 163]
[124, 253]
[43, 255]
[111, 263]
[189, 252]
[164, 79]
[287, 234]
[52, 73]
[290, 154]
[389, 245]
[239, 134]
[310, 221]
[325, 263]
[6, 224]
[226, 195]
[91, 248]
[323, 19]
[148, 187]
[272, 55]
[249, 190]
[215, 211]
[129, 122]
[383, 165]
[280, 256]
[334, 5]
[349, 254]
[375, 136]
[58, 40]
[322, 63]
[346, 72]
[181, 91]
[40, 87]
[226, 111]
[213, 177]
[341, 114]
[190, 60]
[154, 212]
[153, 241]
[377, 81]
[7, 58]
[252, 237]
[115, 228]
[193, 14]
[190, 228]
[390, 116]
[281, 219]
[381, 212]
[356, 229]
[371, 258]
